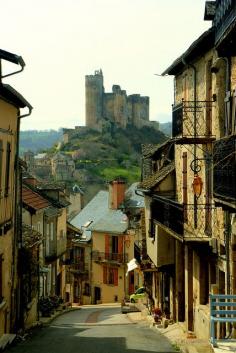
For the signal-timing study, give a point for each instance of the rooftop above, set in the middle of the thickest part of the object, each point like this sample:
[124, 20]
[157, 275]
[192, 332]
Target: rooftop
[157, 177]
[99, 217]
[33, 200]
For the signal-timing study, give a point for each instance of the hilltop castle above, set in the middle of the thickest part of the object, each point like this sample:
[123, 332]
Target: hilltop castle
[115, 107]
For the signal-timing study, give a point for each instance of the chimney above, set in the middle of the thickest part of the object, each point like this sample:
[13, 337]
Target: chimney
[116, 193]
[30, 181]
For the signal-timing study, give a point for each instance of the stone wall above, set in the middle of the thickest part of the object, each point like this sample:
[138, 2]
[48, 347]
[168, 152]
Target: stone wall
[114, 106]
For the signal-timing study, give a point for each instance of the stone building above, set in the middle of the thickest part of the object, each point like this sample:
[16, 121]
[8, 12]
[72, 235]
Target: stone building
[62, 166]
[115, 107]
[189, 183]
[11, 104]
[105, 226]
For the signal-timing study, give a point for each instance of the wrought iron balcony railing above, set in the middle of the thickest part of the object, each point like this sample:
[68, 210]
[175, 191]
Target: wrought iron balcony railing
[225, 17]
[192, 120]
[169, 213]
[109, 257]
[224, 159]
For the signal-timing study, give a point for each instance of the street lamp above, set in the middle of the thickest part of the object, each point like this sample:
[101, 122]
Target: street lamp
[197, 185]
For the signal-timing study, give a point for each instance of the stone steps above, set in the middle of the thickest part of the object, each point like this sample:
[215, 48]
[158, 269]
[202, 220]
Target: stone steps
[6, 339]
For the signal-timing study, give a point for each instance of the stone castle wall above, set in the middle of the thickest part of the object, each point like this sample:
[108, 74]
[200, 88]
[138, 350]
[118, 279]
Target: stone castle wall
[114, 106]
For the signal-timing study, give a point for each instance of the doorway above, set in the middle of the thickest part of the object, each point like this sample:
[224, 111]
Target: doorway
[97, 295]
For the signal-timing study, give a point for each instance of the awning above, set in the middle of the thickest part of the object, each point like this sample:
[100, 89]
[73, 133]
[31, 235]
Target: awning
[132, 265]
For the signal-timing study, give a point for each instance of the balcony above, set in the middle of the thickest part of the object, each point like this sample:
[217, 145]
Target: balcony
[225, 24]
[191, 122]
[53, 251]
[224, 158]
[109, 257]
[169, 213]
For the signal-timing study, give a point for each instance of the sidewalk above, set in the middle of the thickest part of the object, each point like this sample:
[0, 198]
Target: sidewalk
[45, 321]
[176, 334]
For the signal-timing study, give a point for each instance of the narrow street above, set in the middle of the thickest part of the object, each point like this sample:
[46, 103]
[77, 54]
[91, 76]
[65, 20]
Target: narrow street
[95, 329]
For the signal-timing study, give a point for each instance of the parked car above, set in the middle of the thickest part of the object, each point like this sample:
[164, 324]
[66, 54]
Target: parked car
[138, 294]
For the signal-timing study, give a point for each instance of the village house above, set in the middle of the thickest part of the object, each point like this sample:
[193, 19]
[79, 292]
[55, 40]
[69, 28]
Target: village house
[11, 105]
[103, 222]
[33, 215]
[63, 166]
[78, 266]
[189, 187]
[50, 218]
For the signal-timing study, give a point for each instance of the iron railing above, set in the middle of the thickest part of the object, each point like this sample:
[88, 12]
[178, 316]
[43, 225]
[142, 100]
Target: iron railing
[169, 213]
[192, 119]
[224, 159]
[225, 16]
[109, 257]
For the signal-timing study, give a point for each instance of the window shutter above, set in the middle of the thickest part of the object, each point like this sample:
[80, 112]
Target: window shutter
[1, 154]
[227, 113]
[120, 244]
[7, 173]
[115, 273]
[185, 186]
[234, 112]
[104, 274]
[1, 280]
[107, 245]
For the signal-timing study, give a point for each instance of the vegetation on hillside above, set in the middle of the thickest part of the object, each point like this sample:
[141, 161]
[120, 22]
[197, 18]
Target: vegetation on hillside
[101, 157]
[38, 140]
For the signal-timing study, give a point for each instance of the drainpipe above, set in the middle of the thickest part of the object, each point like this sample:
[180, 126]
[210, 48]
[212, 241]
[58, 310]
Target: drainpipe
[227, 80]
[17, 244]
[227, 250]
[194, 130]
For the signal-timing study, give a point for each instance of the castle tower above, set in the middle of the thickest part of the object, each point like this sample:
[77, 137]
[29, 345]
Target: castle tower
[94, 99]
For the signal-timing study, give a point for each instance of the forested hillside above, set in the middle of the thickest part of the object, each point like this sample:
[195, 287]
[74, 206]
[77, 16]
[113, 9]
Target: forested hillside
[35, 140]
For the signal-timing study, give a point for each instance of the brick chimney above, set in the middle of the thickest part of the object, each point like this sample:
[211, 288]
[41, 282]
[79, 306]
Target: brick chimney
[116, 193]
[30, 181]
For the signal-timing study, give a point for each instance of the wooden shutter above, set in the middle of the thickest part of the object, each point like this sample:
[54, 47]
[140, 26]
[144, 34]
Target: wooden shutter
[208, 192]
[1, 284]
[1, 154]
[185, 186]
[227, 114]
[107, 246]
[7, 173]
[104, 274]
[115, 274]
[120, 244]
[234, 112]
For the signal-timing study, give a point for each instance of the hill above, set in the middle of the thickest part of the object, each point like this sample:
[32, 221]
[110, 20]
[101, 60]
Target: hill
[166, 128]
[101, 157]
[35, 140]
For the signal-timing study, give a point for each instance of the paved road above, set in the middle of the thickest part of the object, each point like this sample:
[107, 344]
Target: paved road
[95, 330]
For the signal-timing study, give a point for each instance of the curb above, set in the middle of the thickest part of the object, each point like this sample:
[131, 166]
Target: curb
[47, 322]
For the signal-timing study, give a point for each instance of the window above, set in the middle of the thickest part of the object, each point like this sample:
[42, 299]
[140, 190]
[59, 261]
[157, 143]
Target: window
[114, 245]
[51, 231]
[110, 275]
[7, 170]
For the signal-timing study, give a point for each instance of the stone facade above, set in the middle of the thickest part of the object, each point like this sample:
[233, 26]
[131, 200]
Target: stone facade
[115, 107]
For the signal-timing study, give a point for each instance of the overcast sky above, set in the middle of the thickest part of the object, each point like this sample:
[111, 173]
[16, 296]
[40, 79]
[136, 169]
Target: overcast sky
[63, 40]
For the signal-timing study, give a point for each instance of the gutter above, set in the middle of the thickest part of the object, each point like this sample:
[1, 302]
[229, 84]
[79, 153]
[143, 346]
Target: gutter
[14, 59]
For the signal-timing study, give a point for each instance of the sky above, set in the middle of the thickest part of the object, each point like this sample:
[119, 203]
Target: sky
[61, 41]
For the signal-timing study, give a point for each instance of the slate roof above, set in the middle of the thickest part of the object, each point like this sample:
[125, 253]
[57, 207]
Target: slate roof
[132, 199]
[149, 150]
[204, 43]
[33, 200]
[101, 217]
[14, 97]
[157, 177]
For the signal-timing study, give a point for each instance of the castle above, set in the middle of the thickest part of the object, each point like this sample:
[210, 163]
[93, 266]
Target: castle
[115, 107]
